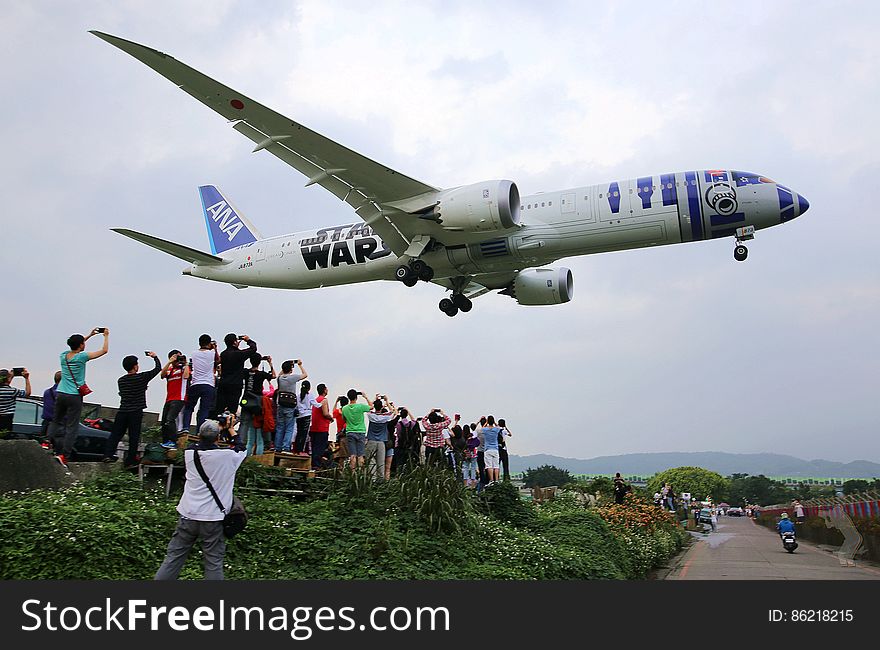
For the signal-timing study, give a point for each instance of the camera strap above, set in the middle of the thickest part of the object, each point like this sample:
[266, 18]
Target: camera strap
[70, 370]
[201, 470]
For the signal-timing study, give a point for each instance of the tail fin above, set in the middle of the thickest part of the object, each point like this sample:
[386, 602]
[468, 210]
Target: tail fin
[226, 227]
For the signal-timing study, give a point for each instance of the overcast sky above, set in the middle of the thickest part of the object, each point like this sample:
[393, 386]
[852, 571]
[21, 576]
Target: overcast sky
[676, 348]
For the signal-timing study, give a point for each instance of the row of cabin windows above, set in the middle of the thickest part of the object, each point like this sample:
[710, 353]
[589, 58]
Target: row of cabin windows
[639, 190]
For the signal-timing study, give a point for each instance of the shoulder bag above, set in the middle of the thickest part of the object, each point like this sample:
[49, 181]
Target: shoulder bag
[83, 389]
[236, 519]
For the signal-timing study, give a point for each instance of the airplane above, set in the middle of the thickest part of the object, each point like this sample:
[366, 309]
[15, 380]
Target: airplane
[471, 239]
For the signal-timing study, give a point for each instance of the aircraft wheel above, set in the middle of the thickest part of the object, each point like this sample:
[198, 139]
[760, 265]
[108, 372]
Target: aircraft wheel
[411, 281]
[740, 253]
[403, 272]
[448, 307]
[462, 302]
[426, 274]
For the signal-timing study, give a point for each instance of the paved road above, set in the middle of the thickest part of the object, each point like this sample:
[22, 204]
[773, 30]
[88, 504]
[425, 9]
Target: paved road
[742, 550]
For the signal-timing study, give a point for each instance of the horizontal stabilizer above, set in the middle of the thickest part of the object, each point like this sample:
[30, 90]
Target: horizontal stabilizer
[179, 251]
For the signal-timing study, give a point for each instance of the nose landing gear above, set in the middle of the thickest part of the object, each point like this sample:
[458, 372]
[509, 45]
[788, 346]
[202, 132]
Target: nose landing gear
[740, 252]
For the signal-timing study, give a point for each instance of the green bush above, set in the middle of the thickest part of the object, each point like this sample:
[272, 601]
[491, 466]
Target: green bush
[113, 528]
[502, 501]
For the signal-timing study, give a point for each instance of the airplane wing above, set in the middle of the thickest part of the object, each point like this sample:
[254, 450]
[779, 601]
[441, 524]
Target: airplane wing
[362, 183]
[179, 251]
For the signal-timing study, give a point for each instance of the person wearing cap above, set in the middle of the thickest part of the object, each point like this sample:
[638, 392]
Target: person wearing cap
[200, 517]
[8, 395]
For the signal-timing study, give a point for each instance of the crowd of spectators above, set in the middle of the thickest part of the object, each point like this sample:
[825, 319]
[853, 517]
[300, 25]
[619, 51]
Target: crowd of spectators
[274, 412]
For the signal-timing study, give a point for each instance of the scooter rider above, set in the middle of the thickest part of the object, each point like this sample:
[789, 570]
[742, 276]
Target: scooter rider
[785, 524]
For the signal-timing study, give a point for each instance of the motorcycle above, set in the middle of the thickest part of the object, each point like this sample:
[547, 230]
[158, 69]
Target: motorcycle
[789, 543]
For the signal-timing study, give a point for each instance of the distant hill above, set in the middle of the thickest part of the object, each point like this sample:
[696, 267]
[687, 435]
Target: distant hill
[724, 463]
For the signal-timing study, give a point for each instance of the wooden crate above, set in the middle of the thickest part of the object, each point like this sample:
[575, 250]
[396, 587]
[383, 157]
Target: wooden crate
[264, 459]
[186, 440]
[293, 461]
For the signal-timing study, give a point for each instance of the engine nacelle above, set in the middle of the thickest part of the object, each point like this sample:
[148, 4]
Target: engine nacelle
[481, 207]
[542, 287]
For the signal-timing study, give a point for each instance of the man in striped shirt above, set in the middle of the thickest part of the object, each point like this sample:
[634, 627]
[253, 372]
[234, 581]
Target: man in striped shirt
[8, 395]
[132, 402]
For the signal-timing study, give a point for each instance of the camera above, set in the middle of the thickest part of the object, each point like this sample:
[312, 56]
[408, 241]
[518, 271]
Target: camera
[181, 361]
[296, 362]
[223, 418]
[17, 372]
[265, 358]
[100, 330]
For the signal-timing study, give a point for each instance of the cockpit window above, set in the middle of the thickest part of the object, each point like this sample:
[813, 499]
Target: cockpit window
[748, 178]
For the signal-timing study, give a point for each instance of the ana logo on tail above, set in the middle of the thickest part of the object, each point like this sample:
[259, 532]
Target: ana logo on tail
[227, 228]
[225, 218]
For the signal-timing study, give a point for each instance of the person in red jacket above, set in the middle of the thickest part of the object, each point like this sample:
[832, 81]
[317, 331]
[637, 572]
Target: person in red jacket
[319, 428]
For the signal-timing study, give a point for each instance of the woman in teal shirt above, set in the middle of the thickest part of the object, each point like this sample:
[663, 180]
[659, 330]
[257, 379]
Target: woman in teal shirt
[69, 402]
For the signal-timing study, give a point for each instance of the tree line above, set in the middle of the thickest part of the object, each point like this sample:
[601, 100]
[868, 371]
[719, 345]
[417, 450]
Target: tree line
[736, 489]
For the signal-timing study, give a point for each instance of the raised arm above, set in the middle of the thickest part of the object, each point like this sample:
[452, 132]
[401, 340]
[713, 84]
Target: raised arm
[27, 382]
[167, 367]
[156, 370]
[103, 350]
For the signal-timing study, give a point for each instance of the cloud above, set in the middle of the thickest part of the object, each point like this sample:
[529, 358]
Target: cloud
[673, 348]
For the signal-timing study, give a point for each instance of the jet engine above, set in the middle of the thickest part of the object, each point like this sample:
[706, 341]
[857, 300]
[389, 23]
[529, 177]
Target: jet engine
[541, 287]
[481, 207]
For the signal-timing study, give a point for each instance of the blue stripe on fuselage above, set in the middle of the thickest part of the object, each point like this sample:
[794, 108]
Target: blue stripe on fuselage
[646, 191]
[670, 194]
[614, 197]
[694, 208]
[726, 220]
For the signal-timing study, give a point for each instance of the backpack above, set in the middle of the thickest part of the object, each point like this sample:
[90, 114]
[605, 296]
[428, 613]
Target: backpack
[154, 453]
[408, 435]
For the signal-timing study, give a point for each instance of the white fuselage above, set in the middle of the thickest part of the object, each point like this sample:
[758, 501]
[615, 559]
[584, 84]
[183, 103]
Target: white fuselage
[648, 211]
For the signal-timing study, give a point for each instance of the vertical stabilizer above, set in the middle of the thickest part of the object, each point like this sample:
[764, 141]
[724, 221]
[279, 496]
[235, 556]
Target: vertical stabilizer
[227, 228]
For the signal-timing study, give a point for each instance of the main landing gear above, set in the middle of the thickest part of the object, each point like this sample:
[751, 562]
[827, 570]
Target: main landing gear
[411, 273]
[457, 303]
[740, 252]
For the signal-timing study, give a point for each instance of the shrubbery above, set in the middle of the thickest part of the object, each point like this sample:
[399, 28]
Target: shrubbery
[423, 526]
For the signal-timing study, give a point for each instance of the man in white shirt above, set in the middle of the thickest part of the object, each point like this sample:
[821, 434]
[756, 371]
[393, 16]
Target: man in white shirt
[203, 364]
[200, 516]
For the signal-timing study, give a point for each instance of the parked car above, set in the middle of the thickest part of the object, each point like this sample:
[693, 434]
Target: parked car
[705, 516]
[27, 425]
[735, 512]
